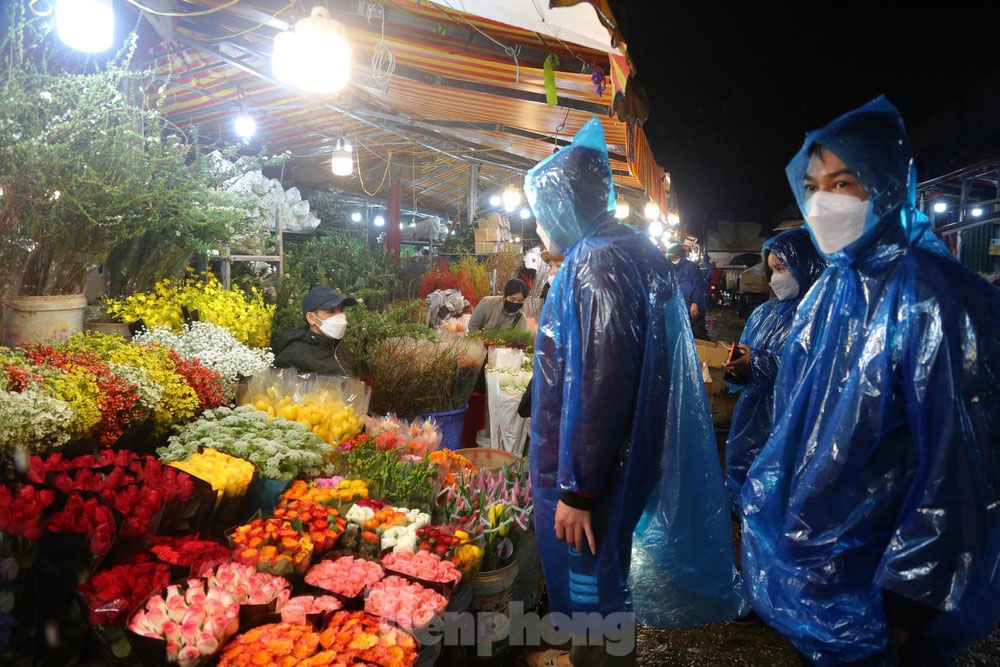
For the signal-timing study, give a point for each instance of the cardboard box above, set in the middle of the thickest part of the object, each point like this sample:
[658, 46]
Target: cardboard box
[487, 235]
[485, 247]
[720, 400]
[753, 282]
[493, 221]
[713, 353]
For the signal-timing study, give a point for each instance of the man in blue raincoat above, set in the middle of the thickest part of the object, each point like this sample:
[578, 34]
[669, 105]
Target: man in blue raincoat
[872, 515]
[621, 435]
[693, 288]
[792, 266]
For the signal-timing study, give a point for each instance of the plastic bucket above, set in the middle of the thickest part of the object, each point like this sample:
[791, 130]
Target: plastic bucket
[491, 594]
[529, 570]
[34, 319]
[451, 424]
[486, 458]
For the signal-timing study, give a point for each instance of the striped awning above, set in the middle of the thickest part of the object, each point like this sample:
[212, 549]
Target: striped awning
[465, 91]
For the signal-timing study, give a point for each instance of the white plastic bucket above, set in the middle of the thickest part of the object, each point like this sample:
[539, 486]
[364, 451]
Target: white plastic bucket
[34, 319]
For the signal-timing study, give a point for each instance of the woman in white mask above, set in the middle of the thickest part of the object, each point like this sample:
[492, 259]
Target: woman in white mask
[313, 348]
[792, 266]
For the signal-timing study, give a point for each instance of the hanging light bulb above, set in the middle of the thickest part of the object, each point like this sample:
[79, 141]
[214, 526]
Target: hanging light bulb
[356, 216]
[314, 55]
[379, 220]
[244, 125]
[652, 211]
[655, 229]
[495, 200]
[525, 214]
[517, 239]
[511, 198]
[622, 208]
[86, 25]
[673, 219]
[342, 163]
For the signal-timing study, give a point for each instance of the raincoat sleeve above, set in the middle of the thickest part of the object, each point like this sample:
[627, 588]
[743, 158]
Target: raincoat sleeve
[941, 553]
[604, 347]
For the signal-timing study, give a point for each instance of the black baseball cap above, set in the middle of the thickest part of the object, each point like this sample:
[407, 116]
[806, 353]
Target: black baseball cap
[324, 298]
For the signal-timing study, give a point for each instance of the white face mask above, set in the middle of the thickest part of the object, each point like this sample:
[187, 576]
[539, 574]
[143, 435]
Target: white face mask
[836, 221]
[784, 286]
[334, 326]
[551, 277]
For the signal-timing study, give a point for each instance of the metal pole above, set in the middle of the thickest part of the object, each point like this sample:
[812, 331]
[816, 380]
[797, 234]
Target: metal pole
[473, 191]
[279, 226]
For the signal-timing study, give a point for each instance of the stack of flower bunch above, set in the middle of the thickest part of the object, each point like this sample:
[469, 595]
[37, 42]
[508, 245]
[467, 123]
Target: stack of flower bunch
[404, 480]
[515, 338]
[358, 636]
[280, 449]
[169, 304]
[191, 620]
[450, 466]
[323, 524]
[95, 387]
[346, 576]
[271, 644]
[420, 437]
[497, 507]
[189, 552]
[324, 412]
[332, 491]
[135, 487]
[215, 347]
[113, 592]
[272, 545]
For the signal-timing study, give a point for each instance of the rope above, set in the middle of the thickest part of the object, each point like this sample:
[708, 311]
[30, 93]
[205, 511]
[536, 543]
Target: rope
[205, 12]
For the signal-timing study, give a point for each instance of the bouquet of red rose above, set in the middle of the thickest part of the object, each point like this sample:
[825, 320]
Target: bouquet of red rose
[189, 551]
[21, 510]
[111, 594]
[85, 513]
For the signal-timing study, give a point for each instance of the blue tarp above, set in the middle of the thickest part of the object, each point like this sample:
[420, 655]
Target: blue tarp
[882, 472]
[766, 333]
[619, 412]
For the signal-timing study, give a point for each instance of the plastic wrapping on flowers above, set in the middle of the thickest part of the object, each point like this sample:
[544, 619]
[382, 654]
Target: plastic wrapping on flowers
[329, 406]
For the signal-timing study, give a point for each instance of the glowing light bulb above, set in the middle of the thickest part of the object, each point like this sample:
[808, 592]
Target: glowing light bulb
[86, 25]
[244, 125]
[652, 211]
[622, 208]
[379, 220]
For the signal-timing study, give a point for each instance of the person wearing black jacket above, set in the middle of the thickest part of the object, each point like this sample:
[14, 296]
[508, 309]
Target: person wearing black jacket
[312, 348]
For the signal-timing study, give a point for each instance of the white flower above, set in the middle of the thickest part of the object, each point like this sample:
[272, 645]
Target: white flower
[46, 96]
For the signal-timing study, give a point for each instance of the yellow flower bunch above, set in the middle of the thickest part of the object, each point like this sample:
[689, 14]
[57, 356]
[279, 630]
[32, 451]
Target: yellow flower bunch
[228, 475]
[245, 315]
[328, 417]
[80, 390]
[468, 555]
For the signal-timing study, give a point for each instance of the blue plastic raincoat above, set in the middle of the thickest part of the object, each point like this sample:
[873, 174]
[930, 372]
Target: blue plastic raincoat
[619, 413]
[765, 334]
[883, 469]
[691, 282]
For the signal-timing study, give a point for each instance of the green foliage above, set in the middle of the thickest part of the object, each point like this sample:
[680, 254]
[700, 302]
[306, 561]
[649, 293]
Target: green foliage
[462, 242]
[127, 185]
[346, 265]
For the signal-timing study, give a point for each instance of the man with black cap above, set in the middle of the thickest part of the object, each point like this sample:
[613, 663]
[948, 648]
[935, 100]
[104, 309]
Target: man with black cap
[312, 348]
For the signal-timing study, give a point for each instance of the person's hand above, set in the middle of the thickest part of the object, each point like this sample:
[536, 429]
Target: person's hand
[572, 525]
[694, 310]
[740, 366]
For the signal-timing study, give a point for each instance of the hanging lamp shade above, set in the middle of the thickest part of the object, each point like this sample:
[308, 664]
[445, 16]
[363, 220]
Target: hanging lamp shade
[652, 210]
[342, 163]
[314, 55]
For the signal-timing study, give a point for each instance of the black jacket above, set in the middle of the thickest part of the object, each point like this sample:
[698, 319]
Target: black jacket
[307, 352]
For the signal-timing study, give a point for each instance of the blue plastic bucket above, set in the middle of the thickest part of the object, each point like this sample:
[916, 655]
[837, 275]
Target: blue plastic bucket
[451, 424]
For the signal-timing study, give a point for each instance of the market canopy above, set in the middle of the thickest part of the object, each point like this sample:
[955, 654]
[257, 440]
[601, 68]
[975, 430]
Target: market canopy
[465, 96]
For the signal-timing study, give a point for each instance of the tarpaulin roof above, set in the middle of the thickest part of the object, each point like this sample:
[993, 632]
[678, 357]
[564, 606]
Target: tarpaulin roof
[465, 90]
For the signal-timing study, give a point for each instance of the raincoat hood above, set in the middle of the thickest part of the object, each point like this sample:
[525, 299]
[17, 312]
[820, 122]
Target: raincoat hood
[570, 192]
[796, 251]
[871, 140]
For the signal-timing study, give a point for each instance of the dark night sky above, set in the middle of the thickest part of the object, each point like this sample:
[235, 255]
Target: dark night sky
[734, 87]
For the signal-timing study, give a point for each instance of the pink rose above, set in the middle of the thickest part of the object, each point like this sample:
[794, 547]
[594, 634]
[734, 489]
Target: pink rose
[176, 607]
[293, 614]
[190, 630]
[218, 624]
[188, 655]
[207, 643]
[173, 648]
[156, 614]
[170, 631]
